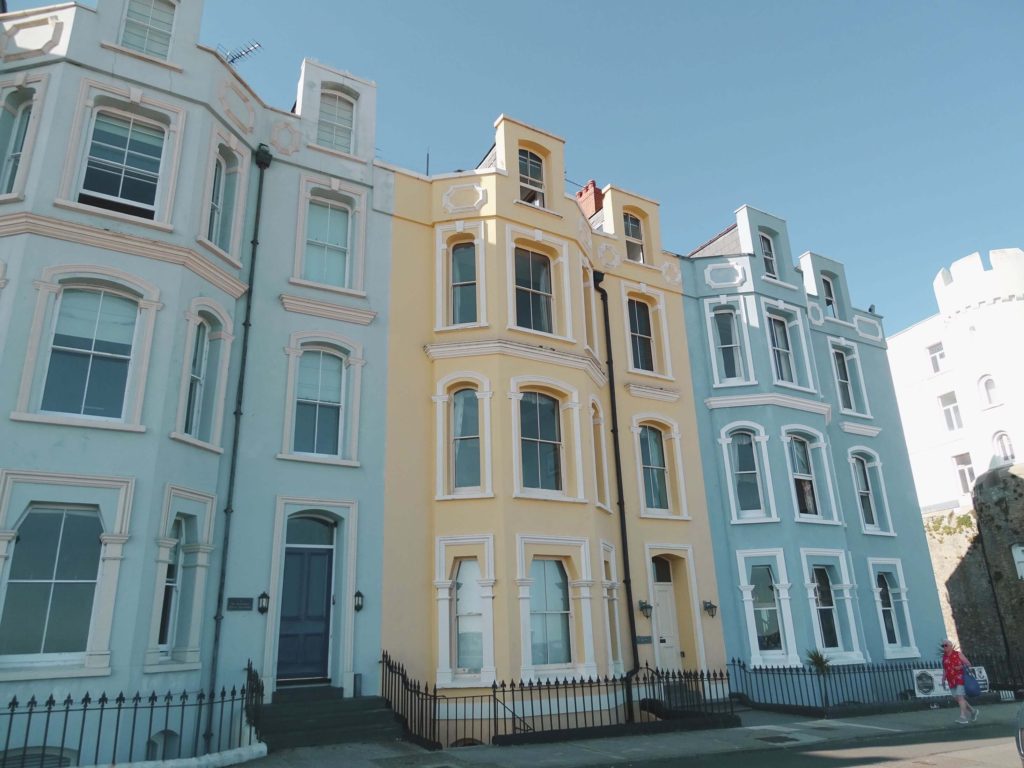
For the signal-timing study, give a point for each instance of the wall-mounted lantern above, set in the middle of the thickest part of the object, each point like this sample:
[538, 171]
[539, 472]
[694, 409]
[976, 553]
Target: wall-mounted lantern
[357, 601]
[710, 608]
[263, 602]
[646, 609]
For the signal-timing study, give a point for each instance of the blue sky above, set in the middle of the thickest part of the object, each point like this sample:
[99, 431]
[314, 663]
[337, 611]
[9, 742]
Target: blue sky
[889, 135]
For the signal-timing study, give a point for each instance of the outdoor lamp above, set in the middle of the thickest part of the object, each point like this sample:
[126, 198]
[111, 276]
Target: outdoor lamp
[263, 602]
[357, 601]
[710, 608]
[646, 608]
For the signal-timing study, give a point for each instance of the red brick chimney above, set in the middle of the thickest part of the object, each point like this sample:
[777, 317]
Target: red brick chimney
[590, 198]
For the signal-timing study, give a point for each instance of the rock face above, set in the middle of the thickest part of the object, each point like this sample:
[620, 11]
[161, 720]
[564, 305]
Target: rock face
[978, 555]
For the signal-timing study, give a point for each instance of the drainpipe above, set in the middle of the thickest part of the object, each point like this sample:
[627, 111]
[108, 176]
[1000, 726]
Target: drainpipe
[263, 158]
[627, 582]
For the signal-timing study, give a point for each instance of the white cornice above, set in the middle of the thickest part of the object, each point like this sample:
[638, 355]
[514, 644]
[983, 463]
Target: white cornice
[72, 232]
[516, 349]
[653, 393]
[781, 401]
[859, 429]
[327, 309]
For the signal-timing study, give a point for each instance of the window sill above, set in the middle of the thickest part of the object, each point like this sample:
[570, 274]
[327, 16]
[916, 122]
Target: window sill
[815, 520]
[734, 383]
[754, 520]
[603, 507]
[171, 666]
[197, 443]
[542, 496]
[795, 387]
[460, 327]
[220, 253]
[843, 657]
[337, 153]
[657, 515]
[878, 532]
[901, 652]
[542, 334]
[643, 264]
[72, 421]
[650, 374]
[12, 197]
[464, 681]
[458, 496]
[141, 56]
[533, 207]
[128, 219]
[50, 671]
[780, 283]
[326, 287]
[858, 414]
[314, 459]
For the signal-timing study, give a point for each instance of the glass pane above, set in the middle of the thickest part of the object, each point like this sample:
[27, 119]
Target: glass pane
[524, 312]
[531, 464]
[65, 382]
[764, 590]
[318, 222]
[744, 452]
[470, 644]
[331, 372]
[316, 586]
[35, 549]
[309, 376]
[540, 309]
[79, 547]
[464, 304]
[467, 463]
[540, 267]
[769, 636]
[529, 416]
[556, 586]
[805, 497]
[801, 460]
[305, 428]
[335, 265]
[655, 487]
[662, 570]
[76, 323]
[829, 633]
[523, 268]
[724, 327]
[309, 530]
[465, 414]
[24, 618]
[327, 429]
[547, 417]
[538, 639]
[550, 466]
[652, 447]
[67, 631]
[116, 325]
[748, 492]
[464, 263]
[558, 639]
[107, 380]
[467, 589]
[639, 317]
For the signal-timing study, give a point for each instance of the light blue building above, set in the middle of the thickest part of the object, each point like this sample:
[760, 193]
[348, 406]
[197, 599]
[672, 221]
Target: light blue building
[141, 180]
[818, 541]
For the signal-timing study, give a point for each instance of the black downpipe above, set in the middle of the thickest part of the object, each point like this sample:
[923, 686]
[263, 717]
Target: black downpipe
[627, 582]
[263, 158]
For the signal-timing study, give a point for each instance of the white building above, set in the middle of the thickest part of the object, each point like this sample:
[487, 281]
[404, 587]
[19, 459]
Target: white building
[959, 384]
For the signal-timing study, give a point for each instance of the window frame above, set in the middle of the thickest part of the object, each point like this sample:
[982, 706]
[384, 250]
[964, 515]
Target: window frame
[936, 356]
[347, 95]
[351, 354]
[602, 497]
[557, 251]
[612, 621]
[571, 457]
[835, 562]
[1017, 553]
[226, 149]
[906, 648]
[856, 389]
[534, 289]
[965, 472]
[820, 476]
[768, 258]
[22, 126]
[876, 490]
[675, 480]
[633, 243]
[746, 560]
[446, 237]
[661, 351]
[791, 317]
[736, 306]
[448, 551]
[951, 411]
[534, 185]
[219, 321]
[341, 194]
[142, 51]
[1002, 447]
[456, 616]
[768, 512]
[988, 392]
[568, 613]
[591, 337]
[444, 487]
[829, 298]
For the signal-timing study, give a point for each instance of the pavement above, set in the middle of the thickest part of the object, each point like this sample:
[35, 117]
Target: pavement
[760, 731]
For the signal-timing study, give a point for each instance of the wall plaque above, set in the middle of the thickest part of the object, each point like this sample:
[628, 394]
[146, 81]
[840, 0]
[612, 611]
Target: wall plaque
[239, 603]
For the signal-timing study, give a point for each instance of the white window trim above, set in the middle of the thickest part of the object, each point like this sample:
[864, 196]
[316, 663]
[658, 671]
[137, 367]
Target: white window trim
[774, 275]
[672, 446]
[997, 449]
[879, 497]
[626, 239]
[898, 592]
[817, 446]
[530, 183]
[357, 205]
[938, 356]
[37, 357]
[225, 337]
[81, 139]
[442, 420]
[18, 489]
[569, 429]
[739, 309]
[600, 453]
[36, 83]
[828, 285]
[589, 333]
[850, 350]
[983, 393]
[444, 234]
[789, 656]
[443, 587]
[610, 595]
[778, 308]
[694, 592]
[770, 515]
[242, 156]
[348, 94]
[843, 594]
[561, 295]
[203, 504]
[584, 661]
[297, 344]
[148, 56]
[654, 299]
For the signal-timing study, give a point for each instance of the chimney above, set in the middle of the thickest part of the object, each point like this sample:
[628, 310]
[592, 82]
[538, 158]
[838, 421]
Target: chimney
[590, 199]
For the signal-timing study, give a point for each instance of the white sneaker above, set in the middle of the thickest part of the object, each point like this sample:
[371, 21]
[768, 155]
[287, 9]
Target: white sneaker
[963, 720]
[974, 714]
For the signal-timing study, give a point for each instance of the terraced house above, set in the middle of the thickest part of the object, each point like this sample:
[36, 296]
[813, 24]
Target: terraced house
[166, 238]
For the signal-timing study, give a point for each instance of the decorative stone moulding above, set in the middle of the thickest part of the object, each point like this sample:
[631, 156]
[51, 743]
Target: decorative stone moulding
[815, 315]
[586, 235]
[30, 38]
[672, 274]
[608, 256]
[464, 198]
[237, 106]
[729, 275]
[868, 328]
[285, 138]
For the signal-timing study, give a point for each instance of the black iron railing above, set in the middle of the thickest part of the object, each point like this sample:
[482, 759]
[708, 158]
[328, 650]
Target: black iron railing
[109, 729]
[534, 710]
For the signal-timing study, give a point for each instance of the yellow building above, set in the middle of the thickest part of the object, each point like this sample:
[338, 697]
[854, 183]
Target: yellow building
[504, 531]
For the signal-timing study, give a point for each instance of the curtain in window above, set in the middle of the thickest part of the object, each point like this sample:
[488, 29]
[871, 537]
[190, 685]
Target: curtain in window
[14, 148]
[540, 435]
[469, 635]
[652, 456]
[549, 613]
[318, 403]
[803, 476]
[744, 461]
[766, 609]
[888, 614]
[466, 439]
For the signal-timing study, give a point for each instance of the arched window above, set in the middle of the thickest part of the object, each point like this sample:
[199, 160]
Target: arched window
[52, 582]
[223, 191]
[91, 352]
[337, 118]
[533, 291]
[864, 493]
[319, 403]
[1003, 447]
[745, 474]
[468, 618]
[540, 438]
[600, 455]
[802, 472]
[889, 623]
[654, 467]
[987, 390]
[465, 437]
[13, 131]
[197, 379]
[463, 283]
[549, 613]
[147, 27]
[634, 236]
[531, 178]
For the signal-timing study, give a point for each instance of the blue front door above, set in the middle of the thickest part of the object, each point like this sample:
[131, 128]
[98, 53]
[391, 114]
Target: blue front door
[302, 650]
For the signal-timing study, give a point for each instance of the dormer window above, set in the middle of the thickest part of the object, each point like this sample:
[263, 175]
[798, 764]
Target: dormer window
[147, 27]
[633, 231]
[337, 117]
[531, 178]
[829, 291]
[768, 250]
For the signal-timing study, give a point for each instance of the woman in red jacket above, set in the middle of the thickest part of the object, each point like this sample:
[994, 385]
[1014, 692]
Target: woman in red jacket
[953, 665]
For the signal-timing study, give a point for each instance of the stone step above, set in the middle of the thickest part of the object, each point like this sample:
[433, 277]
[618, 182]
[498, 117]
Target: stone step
[276, 722]
[307, 693]
[333, 735]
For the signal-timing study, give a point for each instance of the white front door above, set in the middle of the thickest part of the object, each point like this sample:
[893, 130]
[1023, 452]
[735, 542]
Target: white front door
[666, 628]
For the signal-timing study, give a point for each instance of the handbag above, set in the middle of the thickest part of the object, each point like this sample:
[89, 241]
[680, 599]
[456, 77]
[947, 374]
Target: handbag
[971, 686]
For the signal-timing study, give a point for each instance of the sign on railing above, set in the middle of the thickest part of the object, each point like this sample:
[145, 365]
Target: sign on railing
[928, 683]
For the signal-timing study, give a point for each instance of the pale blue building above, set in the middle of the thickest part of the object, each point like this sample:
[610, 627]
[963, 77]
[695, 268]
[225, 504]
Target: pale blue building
[141, 179]
[818, 541]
